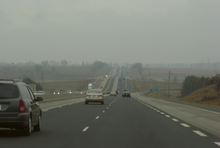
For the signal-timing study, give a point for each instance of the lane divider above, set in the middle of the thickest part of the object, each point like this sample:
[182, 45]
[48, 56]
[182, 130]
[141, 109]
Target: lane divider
[200, 133]
[183, 124]
[85, 129]
[175, 120]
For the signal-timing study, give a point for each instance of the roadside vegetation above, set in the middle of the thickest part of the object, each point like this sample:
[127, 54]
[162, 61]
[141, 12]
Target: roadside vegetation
[185, 84]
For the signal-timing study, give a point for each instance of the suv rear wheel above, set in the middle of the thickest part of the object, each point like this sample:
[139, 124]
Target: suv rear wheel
[38, 126]
[27, 129]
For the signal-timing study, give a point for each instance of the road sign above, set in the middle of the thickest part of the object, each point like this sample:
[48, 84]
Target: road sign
[154, 89]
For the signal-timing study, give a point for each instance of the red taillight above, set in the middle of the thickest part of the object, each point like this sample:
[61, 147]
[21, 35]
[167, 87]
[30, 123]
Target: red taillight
[88, 95]
[22, 106]
[99, 95]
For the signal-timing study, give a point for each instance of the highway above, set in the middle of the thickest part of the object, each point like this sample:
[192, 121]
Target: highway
[135, 122]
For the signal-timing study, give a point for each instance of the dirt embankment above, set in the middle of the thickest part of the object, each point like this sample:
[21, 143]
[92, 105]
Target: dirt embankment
[207, 95]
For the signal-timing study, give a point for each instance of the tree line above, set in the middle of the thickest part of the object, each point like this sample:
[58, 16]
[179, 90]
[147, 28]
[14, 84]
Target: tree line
[193, 83]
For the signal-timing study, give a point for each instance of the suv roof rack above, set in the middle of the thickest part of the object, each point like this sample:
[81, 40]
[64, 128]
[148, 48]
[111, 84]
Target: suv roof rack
[13, 80]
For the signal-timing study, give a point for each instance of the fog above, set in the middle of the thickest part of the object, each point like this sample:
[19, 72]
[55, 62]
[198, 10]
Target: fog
[125, 31]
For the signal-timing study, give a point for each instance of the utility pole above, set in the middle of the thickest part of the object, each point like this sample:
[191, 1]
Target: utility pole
[169, 84]
[149, 78]
[42, 78]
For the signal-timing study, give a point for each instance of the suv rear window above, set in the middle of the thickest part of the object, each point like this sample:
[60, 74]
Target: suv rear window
[8, 91]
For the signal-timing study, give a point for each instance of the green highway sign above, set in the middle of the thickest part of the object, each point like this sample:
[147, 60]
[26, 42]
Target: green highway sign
[154, 89]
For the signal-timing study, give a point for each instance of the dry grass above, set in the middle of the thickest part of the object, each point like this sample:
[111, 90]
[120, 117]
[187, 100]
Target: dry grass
[72, 85]
[162, 73]
[164, 94]
[144, 85]
[207, 95]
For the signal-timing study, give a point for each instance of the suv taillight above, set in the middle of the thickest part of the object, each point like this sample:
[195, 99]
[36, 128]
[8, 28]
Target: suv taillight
[22, 106]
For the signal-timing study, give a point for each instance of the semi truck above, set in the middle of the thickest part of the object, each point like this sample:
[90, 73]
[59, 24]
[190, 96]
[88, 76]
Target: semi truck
[90, 86]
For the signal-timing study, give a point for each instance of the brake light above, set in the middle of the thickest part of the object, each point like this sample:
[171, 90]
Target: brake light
[88, 95]
[22, 106]
[99, 95]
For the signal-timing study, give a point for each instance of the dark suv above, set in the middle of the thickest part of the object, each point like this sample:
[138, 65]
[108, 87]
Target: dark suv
[19, 108]
[126, 93]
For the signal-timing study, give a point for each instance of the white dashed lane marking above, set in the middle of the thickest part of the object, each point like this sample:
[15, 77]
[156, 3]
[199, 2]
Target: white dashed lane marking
[185, 125]
[167, 116]
[162, 113]
[200, 133]
[218, 143]
[97, 117]
[103, 111]
[85, 129]
[175, 120]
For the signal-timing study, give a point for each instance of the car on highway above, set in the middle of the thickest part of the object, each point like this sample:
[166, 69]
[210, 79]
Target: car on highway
[40, 92]
[67, 92]
[113, 93]
[94, 95]
[126, 93]
[56, 92]
[117, 92]
[19, 108]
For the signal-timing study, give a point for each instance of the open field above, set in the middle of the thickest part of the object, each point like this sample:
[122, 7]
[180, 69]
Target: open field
[145, 85]
[52, 73]
[207, 95]
[161, 74]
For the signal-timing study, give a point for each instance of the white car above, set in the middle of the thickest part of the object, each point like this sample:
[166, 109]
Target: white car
[94, 95]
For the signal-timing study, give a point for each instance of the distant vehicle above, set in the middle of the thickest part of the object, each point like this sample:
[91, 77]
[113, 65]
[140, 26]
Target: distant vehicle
[108, 92]
[94, 95]
[56, 92]
[126, 93]
[117, 92]
[89, 86]
[113, 93]
[40, 92]
[19, 108]
[67, 92]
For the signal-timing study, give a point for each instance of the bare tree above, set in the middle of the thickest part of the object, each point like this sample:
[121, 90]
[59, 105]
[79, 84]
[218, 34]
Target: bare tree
[64, 62]
[175, 79]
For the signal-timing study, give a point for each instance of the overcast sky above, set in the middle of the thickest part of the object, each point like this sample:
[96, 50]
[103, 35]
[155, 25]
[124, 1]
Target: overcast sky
[118, 31]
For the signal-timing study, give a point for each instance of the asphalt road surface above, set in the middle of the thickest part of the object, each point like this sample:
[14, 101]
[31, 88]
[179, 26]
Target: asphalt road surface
[119, 123]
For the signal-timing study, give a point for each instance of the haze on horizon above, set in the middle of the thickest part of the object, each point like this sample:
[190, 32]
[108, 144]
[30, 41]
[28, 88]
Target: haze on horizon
[126, 31]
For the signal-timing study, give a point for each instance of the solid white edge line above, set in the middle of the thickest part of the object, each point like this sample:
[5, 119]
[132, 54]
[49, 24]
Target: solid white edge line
[85, 129]
[200, 133]
[185, 125]
[218, 143]
[191, 107]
